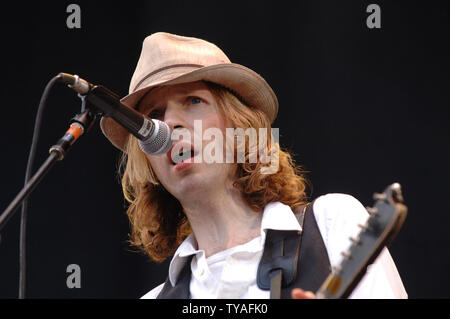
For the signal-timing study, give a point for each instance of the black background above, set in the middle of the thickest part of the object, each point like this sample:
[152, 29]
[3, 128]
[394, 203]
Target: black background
[360, 108]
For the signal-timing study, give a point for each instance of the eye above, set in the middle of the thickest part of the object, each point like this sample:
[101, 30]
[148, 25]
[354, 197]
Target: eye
[195, 100]
[156, 114]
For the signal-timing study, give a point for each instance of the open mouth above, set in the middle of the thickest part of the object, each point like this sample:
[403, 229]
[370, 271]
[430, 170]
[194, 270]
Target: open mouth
[184, 156]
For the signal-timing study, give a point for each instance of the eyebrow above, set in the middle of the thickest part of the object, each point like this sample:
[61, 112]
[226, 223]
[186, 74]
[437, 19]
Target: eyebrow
[151, 104]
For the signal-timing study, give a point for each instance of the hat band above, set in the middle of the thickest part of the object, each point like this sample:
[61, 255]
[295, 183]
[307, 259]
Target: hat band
[163, 69]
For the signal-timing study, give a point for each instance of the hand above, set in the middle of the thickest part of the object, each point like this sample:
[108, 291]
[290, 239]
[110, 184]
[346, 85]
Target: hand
[298, 293]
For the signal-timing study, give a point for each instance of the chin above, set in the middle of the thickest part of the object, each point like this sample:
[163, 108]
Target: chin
[197, 184]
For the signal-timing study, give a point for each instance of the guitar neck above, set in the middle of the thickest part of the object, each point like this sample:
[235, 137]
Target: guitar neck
[377, 233]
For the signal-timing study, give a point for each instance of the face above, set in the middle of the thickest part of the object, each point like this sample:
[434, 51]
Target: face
[183, 171]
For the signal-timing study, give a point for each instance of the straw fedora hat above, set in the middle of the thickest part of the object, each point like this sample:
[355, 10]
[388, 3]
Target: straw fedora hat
[168, 59]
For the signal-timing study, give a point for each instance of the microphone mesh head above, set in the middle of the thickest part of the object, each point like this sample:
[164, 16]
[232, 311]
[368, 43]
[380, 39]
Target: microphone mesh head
[159, 142]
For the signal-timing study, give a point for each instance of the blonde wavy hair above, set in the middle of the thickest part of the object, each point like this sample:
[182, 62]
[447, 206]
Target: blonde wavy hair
[158, 223]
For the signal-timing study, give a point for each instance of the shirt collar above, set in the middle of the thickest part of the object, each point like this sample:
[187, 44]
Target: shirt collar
[187, 248]
[279, 216]
[276, 216]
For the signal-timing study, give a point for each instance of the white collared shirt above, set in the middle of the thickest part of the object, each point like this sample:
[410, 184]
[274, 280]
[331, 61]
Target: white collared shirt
[232, 273]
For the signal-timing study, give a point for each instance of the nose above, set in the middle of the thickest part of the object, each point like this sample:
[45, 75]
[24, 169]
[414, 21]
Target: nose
[174, 116]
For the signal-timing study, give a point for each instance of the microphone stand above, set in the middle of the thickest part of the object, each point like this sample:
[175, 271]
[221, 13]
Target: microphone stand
[79, 124]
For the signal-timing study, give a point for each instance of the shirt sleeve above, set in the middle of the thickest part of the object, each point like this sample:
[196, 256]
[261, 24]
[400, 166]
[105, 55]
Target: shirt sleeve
[338, 216]
[152, 294]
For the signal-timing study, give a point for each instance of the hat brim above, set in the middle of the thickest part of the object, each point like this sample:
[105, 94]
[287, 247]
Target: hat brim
[248, 85]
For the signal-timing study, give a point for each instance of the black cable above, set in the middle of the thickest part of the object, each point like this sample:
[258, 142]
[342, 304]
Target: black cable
[31, 156]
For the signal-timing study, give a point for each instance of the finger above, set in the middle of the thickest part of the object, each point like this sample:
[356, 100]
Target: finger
[298, 293]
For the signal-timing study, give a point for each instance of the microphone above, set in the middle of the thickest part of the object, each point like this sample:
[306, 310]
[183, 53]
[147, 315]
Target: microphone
[154, 135]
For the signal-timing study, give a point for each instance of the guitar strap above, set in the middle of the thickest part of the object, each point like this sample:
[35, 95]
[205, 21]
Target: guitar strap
[290, 259]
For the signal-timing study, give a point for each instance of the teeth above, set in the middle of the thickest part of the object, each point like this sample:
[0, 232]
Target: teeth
[183, 156]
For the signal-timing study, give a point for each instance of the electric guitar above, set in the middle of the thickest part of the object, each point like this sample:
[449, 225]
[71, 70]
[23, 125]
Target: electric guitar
[386, 219]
